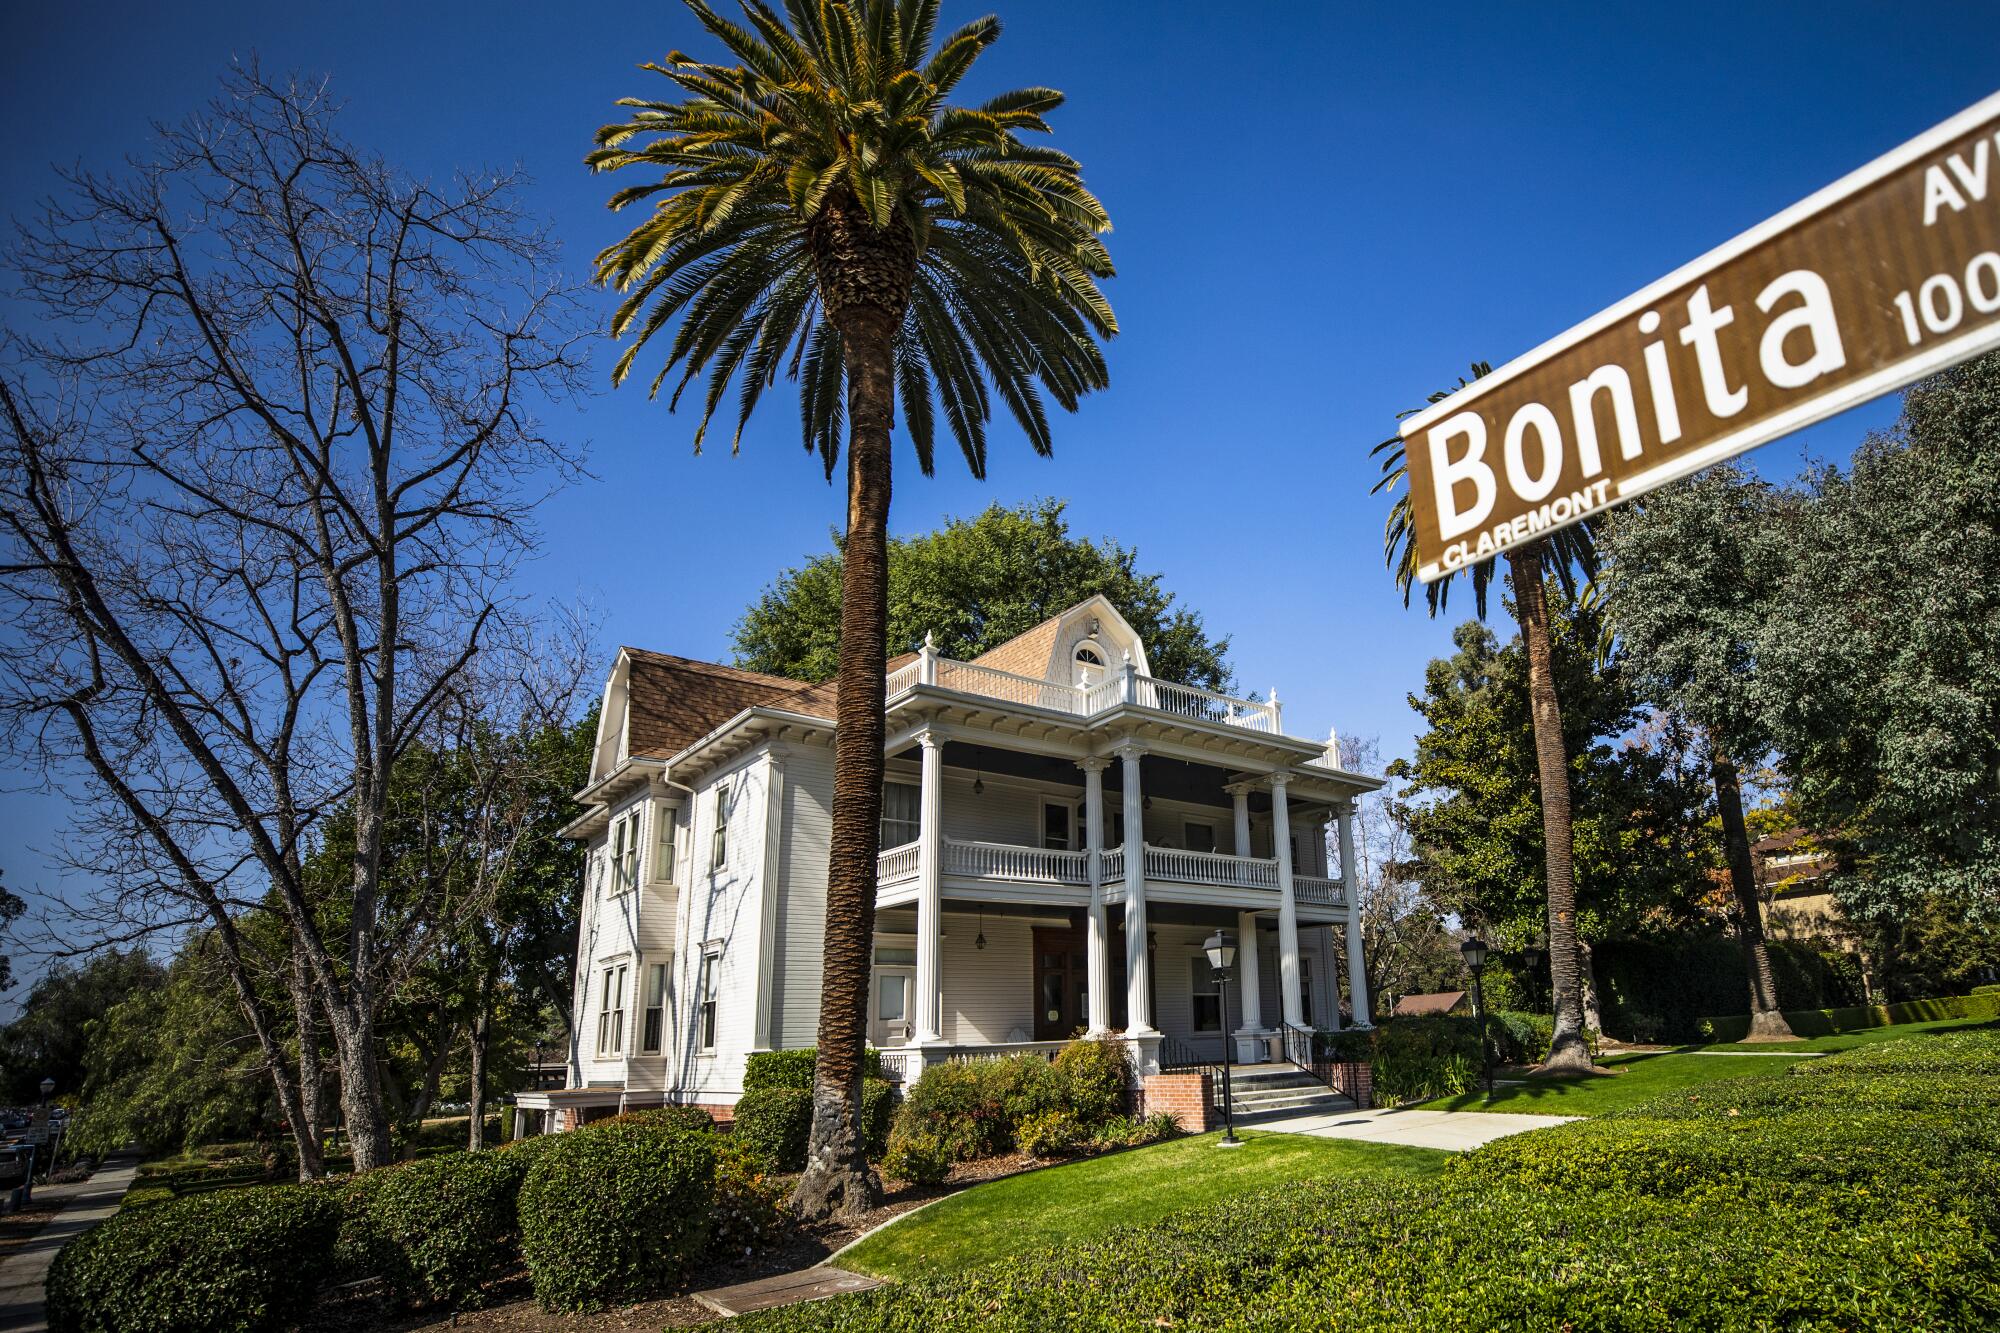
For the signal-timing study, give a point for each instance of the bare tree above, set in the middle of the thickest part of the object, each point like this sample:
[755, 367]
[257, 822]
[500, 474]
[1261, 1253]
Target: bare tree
[269, 455]
[1405, 942]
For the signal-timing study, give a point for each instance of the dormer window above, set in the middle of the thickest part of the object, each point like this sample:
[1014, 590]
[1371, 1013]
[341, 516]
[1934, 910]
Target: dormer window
[1089, 662]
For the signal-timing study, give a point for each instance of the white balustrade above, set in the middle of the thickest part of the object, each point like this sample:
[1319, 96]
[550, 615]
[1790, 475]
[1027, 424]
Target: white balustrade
[896, 863]
[1183, 701]
[991, 683]
[1198, 705]
[1011, 861]
[1111, 869]
[902, 678]
[1318, 890]
[1235, 872]
[1000, 1050]
[901, 1064]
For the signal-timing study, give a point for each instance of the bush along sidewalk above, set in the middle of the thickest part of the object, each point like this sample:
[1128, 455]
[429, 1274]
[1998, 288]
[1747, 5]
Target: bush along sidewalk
[1855, 1193]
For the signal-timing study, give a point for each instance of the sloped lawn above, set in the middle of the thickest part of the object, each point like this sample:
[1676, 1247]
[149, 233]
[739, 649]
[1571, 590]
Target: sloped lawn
[1065, 1205]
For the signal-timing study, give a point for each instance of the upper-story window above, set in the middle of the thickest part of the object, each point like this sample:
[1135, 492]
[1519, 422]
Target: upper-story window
[624, 853]
[900, 820]
[611, 1012]
[663, 844]
[1089, 663]
[718, 845]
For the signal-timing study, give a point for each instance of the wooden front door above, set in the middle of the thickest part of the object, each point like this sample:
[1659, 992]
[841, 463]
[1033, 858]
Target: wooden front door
[1062, 970]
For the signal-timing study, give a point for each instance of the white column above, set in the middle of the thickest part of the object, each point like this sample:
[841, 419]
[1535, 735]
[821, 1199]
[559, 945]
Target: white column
[1288, 906]
[1250, 1047]
[1138, 967]
[1350, 889]
[930, 892]
[1098, 932]
[1241, 795]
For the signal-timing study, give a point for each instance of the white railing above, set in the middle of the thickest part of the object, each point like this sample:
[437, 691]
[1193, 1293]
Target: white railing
[1111, 866]
[1106, 693]
[901, 1065]
[1198, 705]
[992, 683]
[896, 863]
[1011, 861]
[965, 1055]
[903, 677]
[1234, 872]
[1318, 890]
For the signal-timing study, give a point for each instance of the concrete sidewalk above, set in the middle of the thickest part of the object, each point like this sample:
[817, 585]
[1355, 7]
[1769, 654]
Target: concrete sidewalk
[21, 1277]
[1454, 1131]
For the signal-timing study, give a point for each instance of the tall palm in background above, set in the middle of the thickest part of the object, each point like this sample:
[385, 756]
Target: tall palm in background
[822, 210]
[1565, 553]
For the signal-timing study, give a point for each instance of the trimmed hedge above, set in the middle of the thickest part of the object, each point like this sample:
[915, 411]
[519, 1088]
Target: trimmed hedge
[615, 1213]
[879, 1103]
[794, 1069]
[238, 1261]
[1860, 1018]
[775, 1123]
[662, 1117]
[443, 1225]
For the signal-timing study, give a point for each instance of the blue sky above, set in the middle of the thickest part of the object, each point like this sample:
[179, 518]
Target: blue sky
[1322, 212]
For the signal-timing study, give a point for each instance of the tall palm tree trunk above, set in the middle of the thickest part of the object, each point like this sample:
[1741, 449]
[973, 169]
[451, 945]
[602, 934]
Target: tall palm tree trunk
[1767, 1021]
[837, 1177]
[1568, 1050]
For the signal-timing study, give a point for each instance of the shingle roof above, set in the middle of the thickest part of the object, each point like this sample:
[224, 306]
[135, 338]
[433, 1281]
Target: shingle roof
[1438, 1002]
[820, 700]
[1027, 653]
[674, 701]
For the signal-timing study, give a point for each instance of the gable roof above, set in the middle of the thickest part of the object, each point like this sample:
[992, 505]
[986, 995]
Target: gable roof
[1027, 653]
[820, 700]
[1438, 1002]
[671, 702]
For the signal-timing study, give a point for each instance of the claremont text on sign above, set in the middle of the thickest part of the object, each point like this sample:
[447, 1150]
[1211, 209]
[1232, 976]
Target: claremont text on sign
[1877, 280]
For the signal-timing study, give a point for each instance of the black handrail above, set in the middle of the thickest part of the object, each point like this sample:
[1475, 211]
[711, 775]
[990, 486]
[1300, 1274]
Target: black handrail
[1177, 1057]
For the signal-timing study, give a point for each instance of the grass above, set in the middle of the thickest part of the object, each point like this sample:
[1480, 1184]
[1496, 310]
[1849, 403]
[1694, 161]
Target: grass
[1639, 1078]
[1080, 1201]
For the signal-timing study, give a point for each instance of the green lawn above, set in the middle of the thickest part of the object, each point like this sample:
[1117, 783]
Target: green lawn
[1639, 1078]
[1085, 1199]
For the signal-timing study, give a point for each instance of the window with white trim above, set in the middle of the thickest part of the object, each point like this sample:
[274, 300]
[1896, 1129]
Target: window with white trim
[1056, 820]
[663, 844]
[718, 843]
[653, 1018]
[611, 1012]
[1197, 836]
[1207, 995]
[901, 820]
[705, 997]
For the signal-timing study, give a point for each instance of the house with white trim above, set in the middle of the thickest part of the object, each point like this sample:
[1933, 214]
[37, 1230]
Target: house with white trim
[1061, 831]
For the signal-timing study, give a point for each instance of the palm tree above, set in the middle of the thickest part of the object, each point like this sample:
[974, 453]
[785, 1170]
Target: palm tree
[822, 209]
[1564, 553]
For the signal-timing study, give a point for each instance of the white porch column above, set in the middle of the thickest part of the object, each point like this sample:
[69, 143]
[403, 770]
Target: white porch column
[1240, 792]
[1138, 967]
[930, 889]
[1250, 1048]
[1288, 906]
[1350, 889]
[1097, 983]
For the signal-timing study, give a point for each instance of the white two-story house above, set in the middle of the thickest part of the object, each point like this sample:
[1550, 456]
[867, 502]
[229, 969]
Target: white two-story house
[1060, 833]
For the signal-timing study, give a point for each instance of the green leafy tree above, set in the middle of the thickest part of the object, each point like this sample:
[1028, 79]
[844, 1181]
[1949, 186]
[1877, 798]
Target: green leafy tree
[976, 583]
[1691, 573]
[821, 208]
[48, 1038]
[1562, 554]
[11, 908]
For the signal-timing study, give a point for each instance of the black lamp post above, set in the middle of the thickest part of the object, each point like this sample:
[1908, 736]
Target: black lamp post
[1221, 951]
[48, 1086]
[1474, 950]
[1531, 963]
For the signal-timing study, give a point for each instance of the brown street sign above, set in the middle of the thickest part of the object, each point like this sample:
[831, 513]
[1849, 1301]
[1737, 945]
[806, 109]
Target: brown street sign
[1883, 277]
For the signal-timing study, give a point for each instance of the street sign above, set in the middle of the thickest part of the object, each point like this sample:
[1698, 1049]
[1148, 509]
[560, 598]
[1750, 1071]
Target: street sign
[1883, 277]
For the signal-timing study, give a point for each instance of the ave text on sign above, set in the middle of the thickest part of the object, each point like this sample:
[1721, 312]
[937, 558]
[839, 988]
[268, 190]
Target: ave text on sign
[1880, 279]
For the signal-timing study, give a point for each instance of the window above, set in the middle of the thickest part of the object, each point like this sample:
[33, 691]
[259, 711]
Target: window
[704, 1010]
[1089, 656]
[611, 1012]
[629, 868]
[663, 845]
[621, 829]
[655, 1014]
[1056, 820]
[718, 847]
[899, 813]
[1207, 995]
[1198, 837]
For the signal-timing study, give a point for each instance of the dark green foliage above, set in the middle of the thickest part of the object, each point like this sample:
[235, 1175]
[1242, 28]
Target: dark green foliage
[1681, 979]
[359, 1248]
[1092, 1078]
[615, 1214]
[794, 1068]
[444, 1224]
[1518, 1038]
[1808, 1023]
[976, 1109]
[236, 1261]
[749, 1200]
[974, 584]
[1817, 1216]
[917, 1156]
[879, 1103]
[1419, 1058]
[775, 1123]
[664, 1117]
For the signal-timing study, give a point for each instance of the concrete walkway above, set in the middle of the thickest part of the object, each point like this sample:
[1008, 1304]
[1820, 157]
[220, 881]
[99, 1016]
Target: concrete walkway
[1454, 1131]
[21, 1277]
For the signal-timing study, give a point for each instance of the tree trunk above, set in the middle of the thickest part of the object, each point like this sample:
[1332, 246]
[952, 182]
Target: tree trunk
[1593, 1010]
[482, 1028]
[361, 1089]
[1568, 1050]
[1767, 1020]
[836, 1177]
[311, 1131]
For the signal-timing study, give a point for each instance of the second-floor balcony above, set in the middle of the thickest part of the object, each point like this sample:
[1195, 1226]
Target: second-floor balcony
[1118, 688]
[1000, 863]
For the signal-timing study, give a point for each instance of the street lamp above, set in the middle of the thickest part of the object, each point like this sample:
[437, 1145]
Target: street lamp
[1221, 951]
[1531, 963]
[1474, 950]
[48, 1086]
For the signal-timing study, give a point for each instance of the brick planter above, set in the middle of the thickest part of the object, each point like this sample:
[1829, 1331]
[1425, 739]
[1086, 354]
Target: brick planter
[1188, 1098]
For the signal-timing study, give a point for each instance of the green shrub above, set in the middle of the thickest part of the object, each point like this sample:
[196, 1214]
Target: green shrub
[1521, 1038]
[920, 1158]
[775, 1123]
[1419, 1058]
[237, 1261]
[960, 1108]
[749, 1200]
[1859, 1018]
[1051, 1134]
[879, 1100]
[663, 1117]
[444, 1225]
[1972, 1051]
[794, 1069]
[1092, 1079]
[359, 1248]
[615, 1213]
